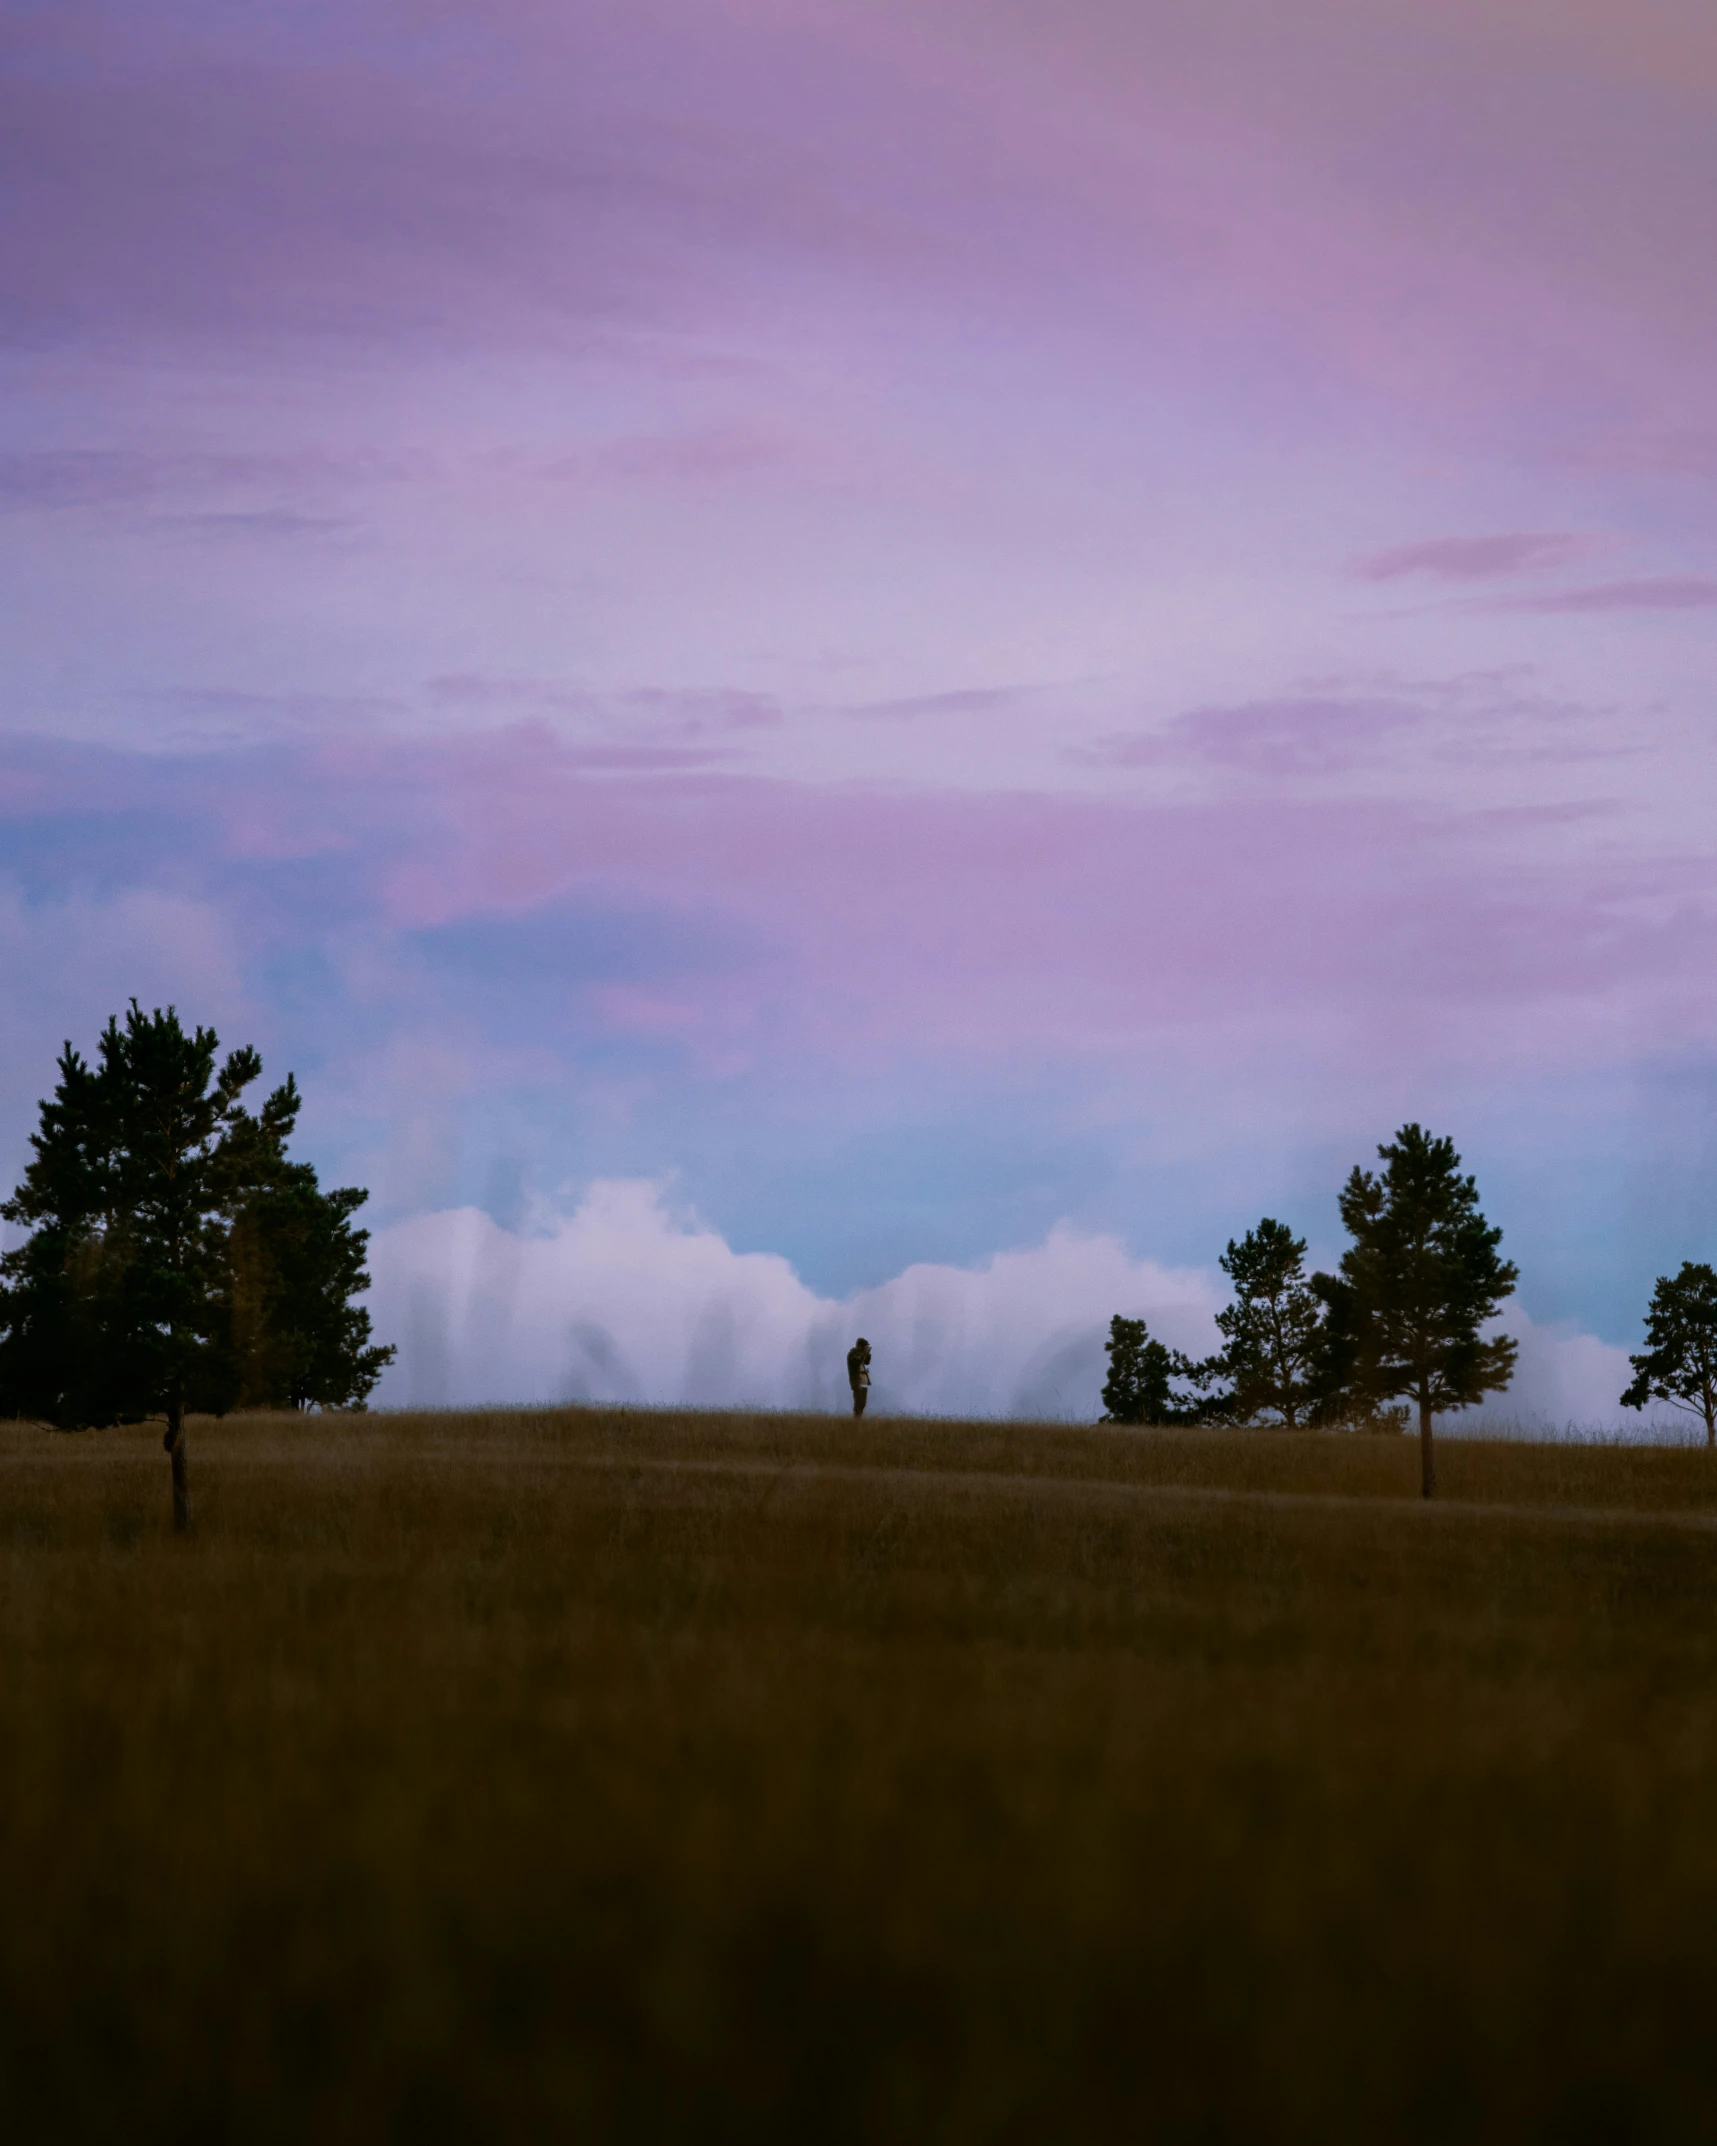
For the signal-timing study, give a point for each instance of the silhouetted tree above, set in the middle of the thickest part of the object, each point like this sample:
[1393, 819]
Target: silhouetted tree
[1420, 1279]
[1142, 1372]
[291, 1336]
[66, 1354]
[1274, 1331]
[1339, 1396]
[176, 1259]
[1679, 1361]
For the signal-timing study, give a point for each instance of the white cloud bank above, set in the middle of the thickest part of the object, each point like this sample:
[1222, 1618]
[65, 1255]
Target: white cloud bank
[625, 1300]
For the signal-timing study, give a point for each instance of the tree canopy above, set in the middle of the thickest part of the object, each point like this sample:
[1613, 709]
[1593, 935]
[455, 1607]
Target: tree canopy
[1679, 1361]
[1273, 1332]
[1142, 1375]
[176, 1257]
[1420, 1280]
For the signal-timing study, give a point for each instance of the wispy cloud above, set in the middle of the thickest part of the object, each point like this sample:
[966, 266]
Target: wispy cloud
[1475, 558]
[1079, 925]
[1481, 718]
[683, 457]
[47, 479]
[641, 711]
[1688, 451]
[1301, 735]
[963, 700]
[264, 523]
[1664, 592]
[253, 718]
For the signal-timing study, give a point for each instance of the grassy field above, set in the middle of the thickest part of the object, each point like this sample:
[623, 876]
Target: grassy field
[631, 1776]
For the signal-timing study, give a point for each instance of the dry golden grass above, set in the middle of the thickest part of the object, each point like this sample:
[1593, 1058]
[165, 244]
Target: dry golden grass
[635, 1776]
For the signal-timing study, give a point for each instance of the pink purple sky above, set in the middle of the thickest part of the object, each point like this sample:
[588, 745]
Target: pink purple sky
[938, 630]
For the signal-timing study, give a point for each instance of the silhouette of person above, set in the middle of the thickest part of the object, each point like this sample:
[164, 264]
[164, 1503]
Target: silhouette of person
[858, 1373]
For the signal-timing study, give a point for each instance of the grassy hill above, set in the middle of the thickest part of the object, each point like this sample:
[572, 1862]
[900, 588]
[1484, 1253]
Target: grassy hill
[608, 1775]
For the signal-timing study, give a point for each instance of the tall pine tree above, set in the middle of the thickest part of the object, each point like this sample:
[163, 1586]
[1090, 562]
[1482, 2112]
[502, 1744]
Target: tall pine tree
[1273, 1332]
[1419, 1282]
[176, 1259]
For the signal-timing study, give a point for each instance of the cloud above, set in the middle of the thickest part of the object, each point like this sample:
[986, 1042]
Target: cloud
[1688, 451]
[1297, 735]
[1567, 1382]
[1665, 592]
[884, 921]
[642, 711]
[254, 720]
[875, 1025]
[627, 1300]
[1483, 718]
[963, 700]
[879, 923]
[1563, 1378]
[1480, 558]
[264, 522]
[63, 478]
[624, 1300]
[543, 180]
[551, 176]
[84, 478]
[683, 457]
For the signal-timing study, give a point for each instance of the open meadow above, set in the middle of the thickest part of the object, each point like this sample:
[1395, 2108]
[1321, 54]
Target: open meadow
[642, 1776]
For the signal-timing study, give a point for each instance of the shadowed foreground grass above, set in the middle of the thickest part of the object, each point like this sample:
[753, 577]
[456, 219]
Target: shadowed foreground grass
[623, 1776]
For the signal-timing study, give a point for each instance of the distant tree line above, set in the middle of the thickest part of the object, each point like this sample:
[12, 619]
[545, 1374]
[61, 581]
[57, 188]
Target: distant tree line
[1401, 1319]
[178, 1260]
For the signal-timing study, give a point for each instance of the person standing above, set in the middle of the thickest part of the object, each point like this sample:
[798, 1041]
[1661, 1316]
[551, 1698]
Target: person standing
[858, 1373]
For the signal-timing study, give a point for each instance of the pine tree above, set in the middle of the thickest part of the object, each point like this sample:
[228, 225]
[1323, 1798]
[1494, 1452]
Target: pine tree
[1274, 1330]
[176, 1259]
[1420, 1279]
[64, 1354]
[1679, 1361]
[107, 1309]
[294, 1264]
[1142, 1372]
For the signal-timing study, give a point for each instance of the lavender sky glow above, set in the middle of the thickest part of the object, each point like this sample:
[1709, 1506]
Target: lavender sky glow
[783, 648]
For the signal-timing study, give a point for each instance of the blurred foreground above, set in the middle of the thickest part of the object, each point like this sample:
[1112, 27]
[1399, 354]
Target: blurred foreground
[611, 1775]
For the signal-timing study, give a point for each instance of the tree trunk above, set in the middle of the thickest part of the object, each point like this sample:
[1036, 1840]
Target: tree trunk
[175, 1444]
[1427, 1458]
